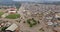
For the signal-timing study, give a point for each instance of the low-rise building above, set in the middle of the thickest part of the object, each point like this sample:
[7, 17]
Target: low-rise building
[12, 10]
[57, 15]
[13, 27]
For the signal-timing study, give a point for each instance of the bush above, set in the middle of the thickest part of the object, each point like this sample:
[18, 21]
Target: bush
[3, 28]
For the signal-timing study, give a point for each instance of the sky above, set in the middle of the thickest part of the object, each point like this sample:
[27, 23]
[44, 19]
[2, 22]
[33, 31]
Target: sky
[24, 0]
[39, 0]
[36, 0]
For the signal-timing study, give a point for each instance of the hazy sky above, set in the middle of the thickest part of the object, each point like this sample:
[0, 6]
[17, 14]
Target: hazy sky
[37, 0]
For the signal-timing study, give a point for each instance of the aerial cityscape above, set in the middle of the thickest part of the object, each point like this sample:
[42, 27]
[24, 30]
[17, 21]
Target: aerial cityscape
[29, 16]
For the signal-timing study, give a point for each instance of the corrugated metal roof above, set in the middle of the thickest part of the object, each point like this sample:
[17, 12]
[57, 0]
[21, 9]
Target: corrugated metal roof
[12, 27]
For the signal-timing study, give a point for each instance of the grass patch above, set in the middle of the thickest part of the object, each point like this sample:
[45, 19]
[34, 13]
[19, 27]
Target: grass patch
[13, 16]
[1, 13]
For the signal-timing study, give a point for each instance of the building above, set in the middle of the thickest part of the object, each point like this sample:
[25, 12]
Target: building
[57, 15]
[13, 27]
[12, 10]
